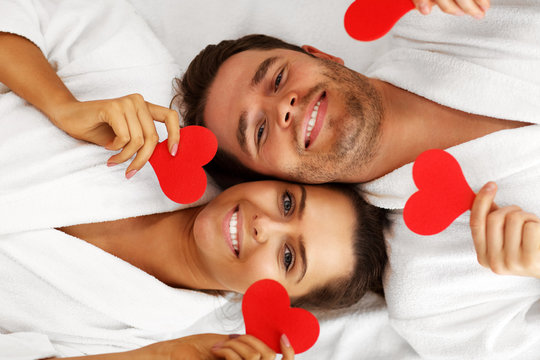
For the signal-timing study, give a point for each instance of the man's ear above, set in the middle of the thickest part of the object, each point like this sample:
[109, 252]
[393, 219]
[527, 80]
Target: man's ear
[320, 54]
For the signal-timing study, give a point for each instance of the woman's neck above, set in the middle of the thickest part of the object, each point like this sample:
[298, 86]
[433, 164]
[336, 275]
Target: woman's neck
[162, 245]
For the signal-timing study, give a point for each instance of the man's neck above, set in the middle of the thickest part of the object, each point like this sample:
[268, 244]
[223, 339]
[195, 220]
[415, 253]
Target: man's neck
[413, 124]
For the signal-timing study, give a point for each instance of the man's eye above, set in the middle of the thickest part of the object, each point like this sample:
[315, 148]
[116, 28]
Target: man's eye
[260, 132]
[278, 81]
[288, 203]
[288, 258]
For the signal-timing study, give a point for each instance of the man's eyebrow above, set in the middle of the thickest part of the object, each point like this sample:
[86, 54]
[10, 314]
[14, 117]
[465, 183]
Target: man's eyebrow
[241, 131]
[262, 70]
[304, 259]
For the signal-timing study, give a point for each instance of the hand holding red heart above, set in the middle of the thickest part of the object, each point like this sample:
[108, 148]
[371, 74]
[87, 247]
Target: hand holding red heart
[507, 239]
[249, 347]
[474, 8]
[125, 123]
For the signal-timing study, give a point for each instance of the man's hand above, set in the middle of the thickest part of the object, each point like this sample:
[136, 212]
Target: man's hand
[475, 8]
[125, 123]
[507, 240]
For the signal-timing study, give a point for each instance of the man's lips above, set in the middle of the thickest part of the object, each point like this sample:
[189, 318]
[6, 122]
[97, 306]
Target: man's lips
[311, 130]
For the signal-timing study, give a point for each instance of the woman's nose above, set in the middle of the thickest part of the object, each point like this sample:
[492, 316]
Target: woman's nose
[286, 108]
[265, 228]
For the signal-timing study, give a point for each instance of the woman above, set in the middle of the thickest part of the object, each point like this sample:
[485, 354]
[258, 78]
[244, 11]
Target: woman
[324, 244]
[304, 237]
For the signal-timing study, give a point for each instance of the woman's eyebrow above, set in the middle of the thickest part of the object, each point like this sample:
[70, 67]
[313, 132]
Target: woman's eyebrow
[302, 204]
[302, 251]
[262, 70]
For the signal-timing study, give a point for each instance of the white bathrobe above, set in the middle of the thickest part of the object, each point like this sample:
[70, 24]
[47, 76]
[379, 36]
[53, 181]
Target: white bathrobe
[439, 298]
[60, 296]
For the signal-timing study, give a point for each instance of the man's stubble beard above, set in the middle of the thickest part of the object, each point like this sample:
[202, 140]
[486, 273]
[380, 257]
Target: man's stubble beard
[358, 134]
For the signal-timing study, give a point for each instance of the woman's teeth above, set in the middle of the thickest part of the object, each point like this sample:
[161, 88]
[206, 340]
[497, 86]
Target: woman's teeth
[312, 120]
[233, 230]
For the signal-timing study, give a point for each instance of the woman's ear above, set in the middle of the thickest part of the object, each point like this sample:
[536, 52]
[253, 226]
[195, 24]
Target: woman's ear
[320, 54]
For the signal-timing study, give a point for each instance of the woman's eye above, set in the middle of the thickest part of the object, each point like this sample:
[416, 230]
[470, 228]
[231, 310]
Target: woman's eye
[288, 258]
[260, 132]
[278, 81]
[288, 203]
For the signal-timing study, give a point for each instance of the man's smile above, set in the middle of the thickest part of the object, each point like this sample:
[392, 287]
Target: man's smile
[314, 118]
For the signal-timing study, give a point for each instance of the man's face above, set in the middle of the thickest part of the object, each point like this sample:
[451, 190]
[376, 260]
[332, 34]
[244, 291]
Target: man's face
[290, 115]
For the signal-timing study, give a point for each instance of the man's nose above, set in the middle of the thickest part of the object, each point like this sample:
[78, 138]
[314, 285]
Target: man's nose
[286, 109]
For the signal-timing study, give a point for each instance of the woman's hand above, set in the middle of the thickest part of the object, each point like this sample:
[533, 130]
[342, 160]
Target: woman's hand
[507, 240]
[125, 123]
[475, 8]
[213, 347]
[249, 347]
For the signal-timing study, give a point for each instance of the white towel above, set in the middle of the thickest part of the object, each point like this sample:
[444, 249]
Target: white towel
[439, 298]
[489, 67]
[86, 300]
[100, 50]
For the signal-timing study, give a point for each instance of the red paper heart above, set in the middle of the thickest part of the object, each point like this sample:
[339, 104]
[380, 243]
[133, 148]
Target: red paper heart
[182, 177]
[268, 315]
[443, 193]
[367, 20]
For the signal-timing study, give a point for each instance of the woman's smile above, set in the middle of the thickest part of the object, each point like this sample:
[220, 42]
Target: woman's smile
[232, 230]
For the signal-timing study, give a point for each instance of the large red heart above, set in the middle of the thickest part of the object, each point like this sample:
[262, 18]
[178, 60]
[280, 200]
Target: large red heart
[367, 20]
[268, 314]
[443, 193]
[182, 177]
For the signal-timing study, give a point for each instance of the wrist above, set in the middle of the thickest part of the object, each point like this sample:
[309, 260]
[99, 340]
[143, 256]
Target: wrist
[56, 108]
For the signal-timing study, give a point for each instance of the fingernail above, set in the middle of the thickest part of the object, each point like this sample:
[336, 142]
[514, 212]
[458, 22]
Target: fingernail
[233, 336]
[130, 174]
[460, 13]
[217, 346]
[478, 16]
[490, 186]
[285, 340]
[174, 149]
[484, 8]
[110, 163]
[424, 9]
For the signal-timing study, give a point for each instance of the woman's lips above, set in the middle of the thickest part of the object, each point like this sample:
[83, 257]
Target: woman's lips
[314, 119]
[226, 228]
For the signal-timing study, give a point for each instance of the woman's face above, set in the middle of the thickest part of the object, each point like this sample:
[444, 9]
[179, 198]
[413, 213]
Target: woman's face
[300, 236]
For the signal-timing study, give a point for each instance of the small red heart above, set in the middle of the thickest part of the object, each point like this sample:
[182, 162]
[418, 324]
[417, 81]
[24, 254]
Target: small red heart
[367, 20]
[443, 193]
[268, 314]
[182, 177]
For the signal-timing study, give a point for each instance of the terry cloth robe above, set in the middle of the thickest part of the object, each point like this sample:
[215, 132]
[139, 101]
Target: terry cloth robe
[489, 67]
[439, 298]
[60, 296]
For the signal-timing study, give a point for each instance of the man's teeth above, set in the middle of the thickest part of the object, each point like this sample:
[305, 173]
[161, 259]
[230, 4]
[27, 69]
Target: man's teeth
[233, 230]
[312, 120]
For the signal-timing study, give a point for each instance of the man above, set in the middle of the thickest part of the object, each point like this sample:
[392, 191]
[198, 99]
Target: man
[361, 121]
[471, 88]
